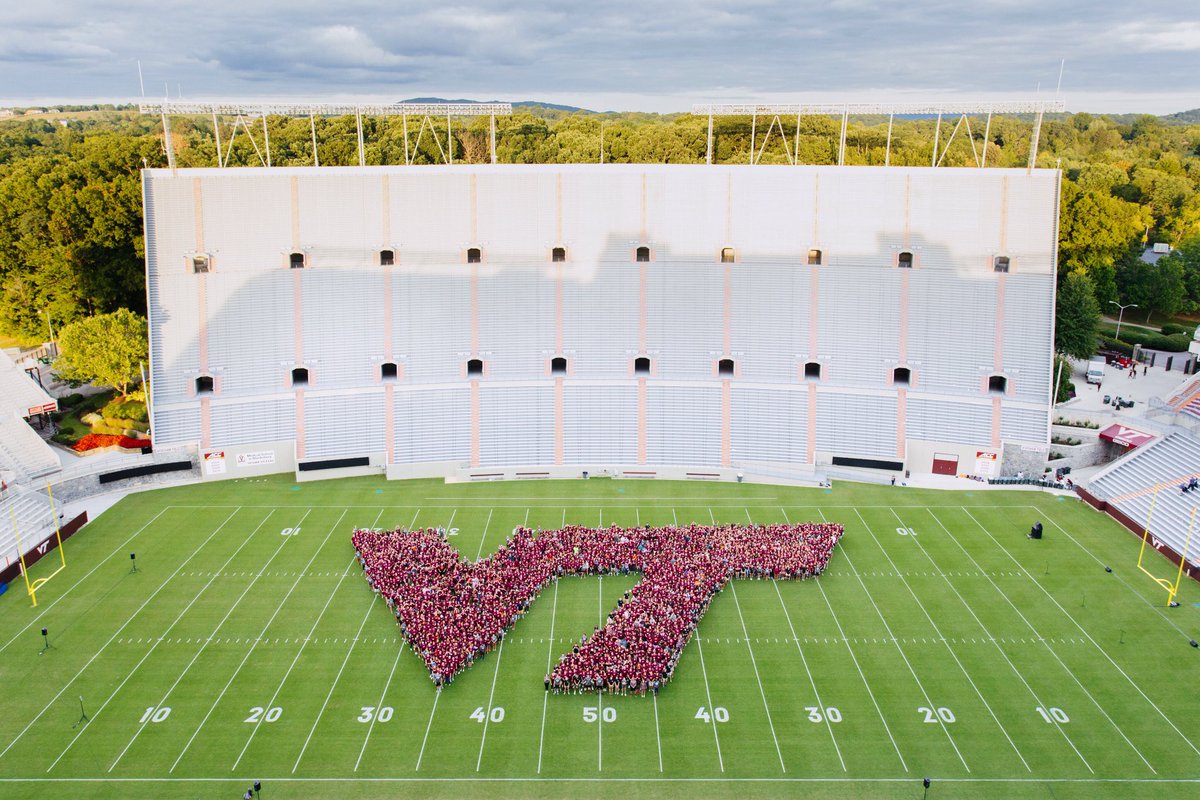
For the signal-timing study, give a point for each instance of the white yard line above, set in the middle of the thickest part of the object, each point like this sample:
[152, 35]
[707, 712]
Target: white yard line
[153, 647]
[346, 660]
[204, 645]
[675, 517]
[995, 642]
[379, 705]
[903, 655]
[46, 610]
[307, 638]
[437, 696]
[1024, 619]
[754, 663]
[811, 680]
[124, 625]
[1075, 622]
[712, 516]
[254, 644]
[600, 692]
[487, 717]
[657, 735]
[853, 657]
[708, 694]
[416, 514]
[941, 636]
[483, 538]
[1155, 607]
[549, 661]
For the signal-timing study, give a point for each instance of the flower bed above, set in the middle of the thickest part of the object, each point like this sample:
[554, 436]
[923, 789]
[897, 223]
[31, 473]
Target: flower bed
[93, 441]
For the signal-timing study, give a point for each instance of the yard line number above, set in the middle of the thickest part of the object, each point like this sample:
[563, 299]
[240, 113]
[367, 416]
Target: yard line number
[382, 714]
[162, 712]
[265, 714]
[936, 715]
[1053, 714]
[906, 531]
[719, 713]
[290, 532]
[482, 715]
[607, 714]
[816, 714]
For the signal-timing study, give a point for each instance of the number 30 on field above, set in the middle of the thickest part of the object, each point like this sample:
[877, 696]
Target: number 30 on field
[384, 714]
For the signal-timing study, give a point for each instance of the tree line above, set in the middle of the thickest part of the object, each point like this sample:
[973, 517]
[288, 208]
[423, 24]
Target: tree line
[71, 222]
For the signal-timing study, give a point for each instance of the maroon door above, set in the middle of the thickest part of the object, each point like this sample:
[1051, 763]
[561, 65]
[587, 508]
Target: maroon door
[944, 464]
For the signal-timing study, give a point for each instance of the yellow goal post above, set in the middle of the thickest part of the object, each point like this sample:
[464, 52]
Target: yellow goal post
[1172, 587]
[33, 586]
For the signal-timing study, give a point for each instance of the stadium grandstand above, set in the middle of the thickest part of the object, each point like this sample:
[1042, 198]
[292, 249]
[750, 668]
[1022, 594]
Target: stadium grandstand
[638, 319]
[25, 459]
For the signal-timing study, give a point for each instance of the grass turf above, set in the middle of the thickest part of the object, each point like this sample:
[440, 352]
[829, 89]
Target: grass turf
[248, 646]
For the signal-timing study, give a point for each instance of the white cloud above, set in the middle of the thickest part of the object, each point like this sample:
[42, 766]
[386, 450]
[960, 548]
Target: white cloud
[1172, 37]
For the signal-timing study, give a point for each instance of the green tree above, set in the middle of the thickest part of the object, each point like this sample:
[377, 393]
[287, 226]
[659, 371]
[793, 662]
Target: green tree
[106, 349]
[1077, 317]
[1096, 228]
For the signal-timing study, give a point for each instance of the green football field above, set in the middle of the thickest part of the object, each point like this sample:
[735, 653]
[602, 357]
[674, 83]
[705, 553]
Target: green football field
[940, 643]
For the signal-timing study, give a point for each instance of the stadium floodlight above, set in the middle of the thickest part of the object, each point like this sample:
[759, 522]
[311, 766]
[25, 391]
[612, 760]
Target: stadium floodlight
[962, 110]
[244, 112]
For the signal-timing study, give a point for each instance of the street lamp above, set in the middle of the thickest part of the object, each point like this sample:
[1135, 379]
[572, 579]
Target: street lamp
[1121, 314]
[50, 327]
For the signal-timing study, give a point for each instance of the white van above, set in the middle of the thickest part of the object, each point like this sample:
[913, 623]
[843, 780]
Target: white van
[1095, 370]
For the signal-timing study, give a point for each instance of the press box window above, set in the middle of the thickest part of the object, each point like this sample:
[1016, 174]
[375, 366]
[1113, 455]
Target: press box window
[905, 260]
[388, 371]
[474, 255]
[201, 264]
[901, 376]
[204, 384]
[643, 254]
[641, 365]
[814, 258]
[558, 366]
[727, 255]
[725, 367]
[387, 258]
[1000, 264]
[558, 254]
[296, 261]
[812, 371]
[300, 376]
[475, 367]
[997, 384]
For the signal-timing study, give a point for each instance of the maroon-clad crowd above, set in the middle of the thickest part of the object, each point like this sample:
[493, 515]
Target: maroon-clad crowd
[451, 611]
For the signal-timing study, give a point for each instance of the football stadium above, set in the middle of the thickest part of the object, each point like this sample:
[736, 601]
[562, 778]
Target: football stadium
[511, 480]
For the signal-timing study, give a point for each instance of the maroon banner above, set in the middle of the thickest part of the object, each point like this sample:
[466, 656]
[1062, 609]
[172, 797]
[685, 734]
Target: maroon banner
[50, 543]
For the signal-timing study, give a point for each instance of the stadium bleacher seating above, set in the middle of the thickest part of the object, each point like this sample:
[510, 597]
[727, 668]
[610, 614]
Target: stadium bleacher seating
[34, 518]
[1129, 486]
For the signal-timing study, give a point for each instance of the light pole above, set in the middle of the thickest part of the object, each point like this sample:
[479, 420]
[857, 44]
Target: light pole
[1120, 315]
[50, 327]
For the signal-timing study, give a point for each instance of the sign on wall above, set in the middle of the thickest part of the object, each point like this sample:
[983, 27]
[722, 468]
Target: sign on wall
[257, 458]
[985, 463]
[214, 462]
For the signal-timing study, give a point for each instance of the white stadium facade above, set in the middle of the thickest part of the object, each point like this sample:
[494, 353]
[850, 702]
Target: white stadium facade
[475, 321]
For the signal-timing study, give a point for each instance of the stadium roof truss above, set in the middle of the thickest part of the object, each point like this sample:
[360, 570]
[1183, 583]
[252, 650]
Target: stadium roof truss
[775, 111]
[246, 113]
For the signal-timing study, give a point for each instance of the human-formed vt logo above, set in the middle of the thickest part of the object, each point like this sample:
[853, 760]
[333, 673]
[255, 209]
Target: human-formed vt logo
[452, 611]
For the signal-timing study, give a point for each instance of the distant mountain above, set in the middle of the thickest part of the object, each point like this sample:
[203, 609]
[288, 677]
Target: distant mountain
[1184, 117]
[515, 104]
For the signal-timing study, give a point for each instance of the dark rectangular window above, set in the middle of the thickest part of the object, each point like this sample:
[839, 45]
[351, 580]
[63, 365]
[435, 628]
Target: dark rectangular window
[204, 384]
[901, 376]
[474, 255]
[388, 371]
[905, 260]
[558, 366]
[997, 384]
[814, 257]
[641, 365]
[558, 254]
[296, 261]
[643, 253]
[1000, 264]
[300, 376]
[475, 367]
[200, 264]
[387, 258]
[725, 367]
[727, 256]
[812, 370]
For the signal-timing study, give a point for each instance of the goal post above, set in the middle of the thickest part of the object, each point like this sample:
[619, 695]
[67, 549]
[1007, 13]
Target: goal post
[33, 586]
[1172, 587]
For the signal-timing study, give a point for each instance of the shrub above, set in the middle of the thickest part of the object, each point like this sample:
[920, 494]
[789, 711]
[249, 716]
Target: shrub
[128, 409]
[1173, 328]
[1155, 341]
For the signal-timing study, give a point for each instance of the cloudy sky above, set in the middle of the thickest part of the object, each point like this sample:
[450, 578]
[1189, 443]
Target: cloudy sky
[607, 54]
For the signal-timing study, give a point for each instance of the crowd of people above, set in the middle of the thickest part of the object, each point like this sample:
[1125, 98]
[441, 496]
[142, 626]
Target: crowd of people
[452, 611]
